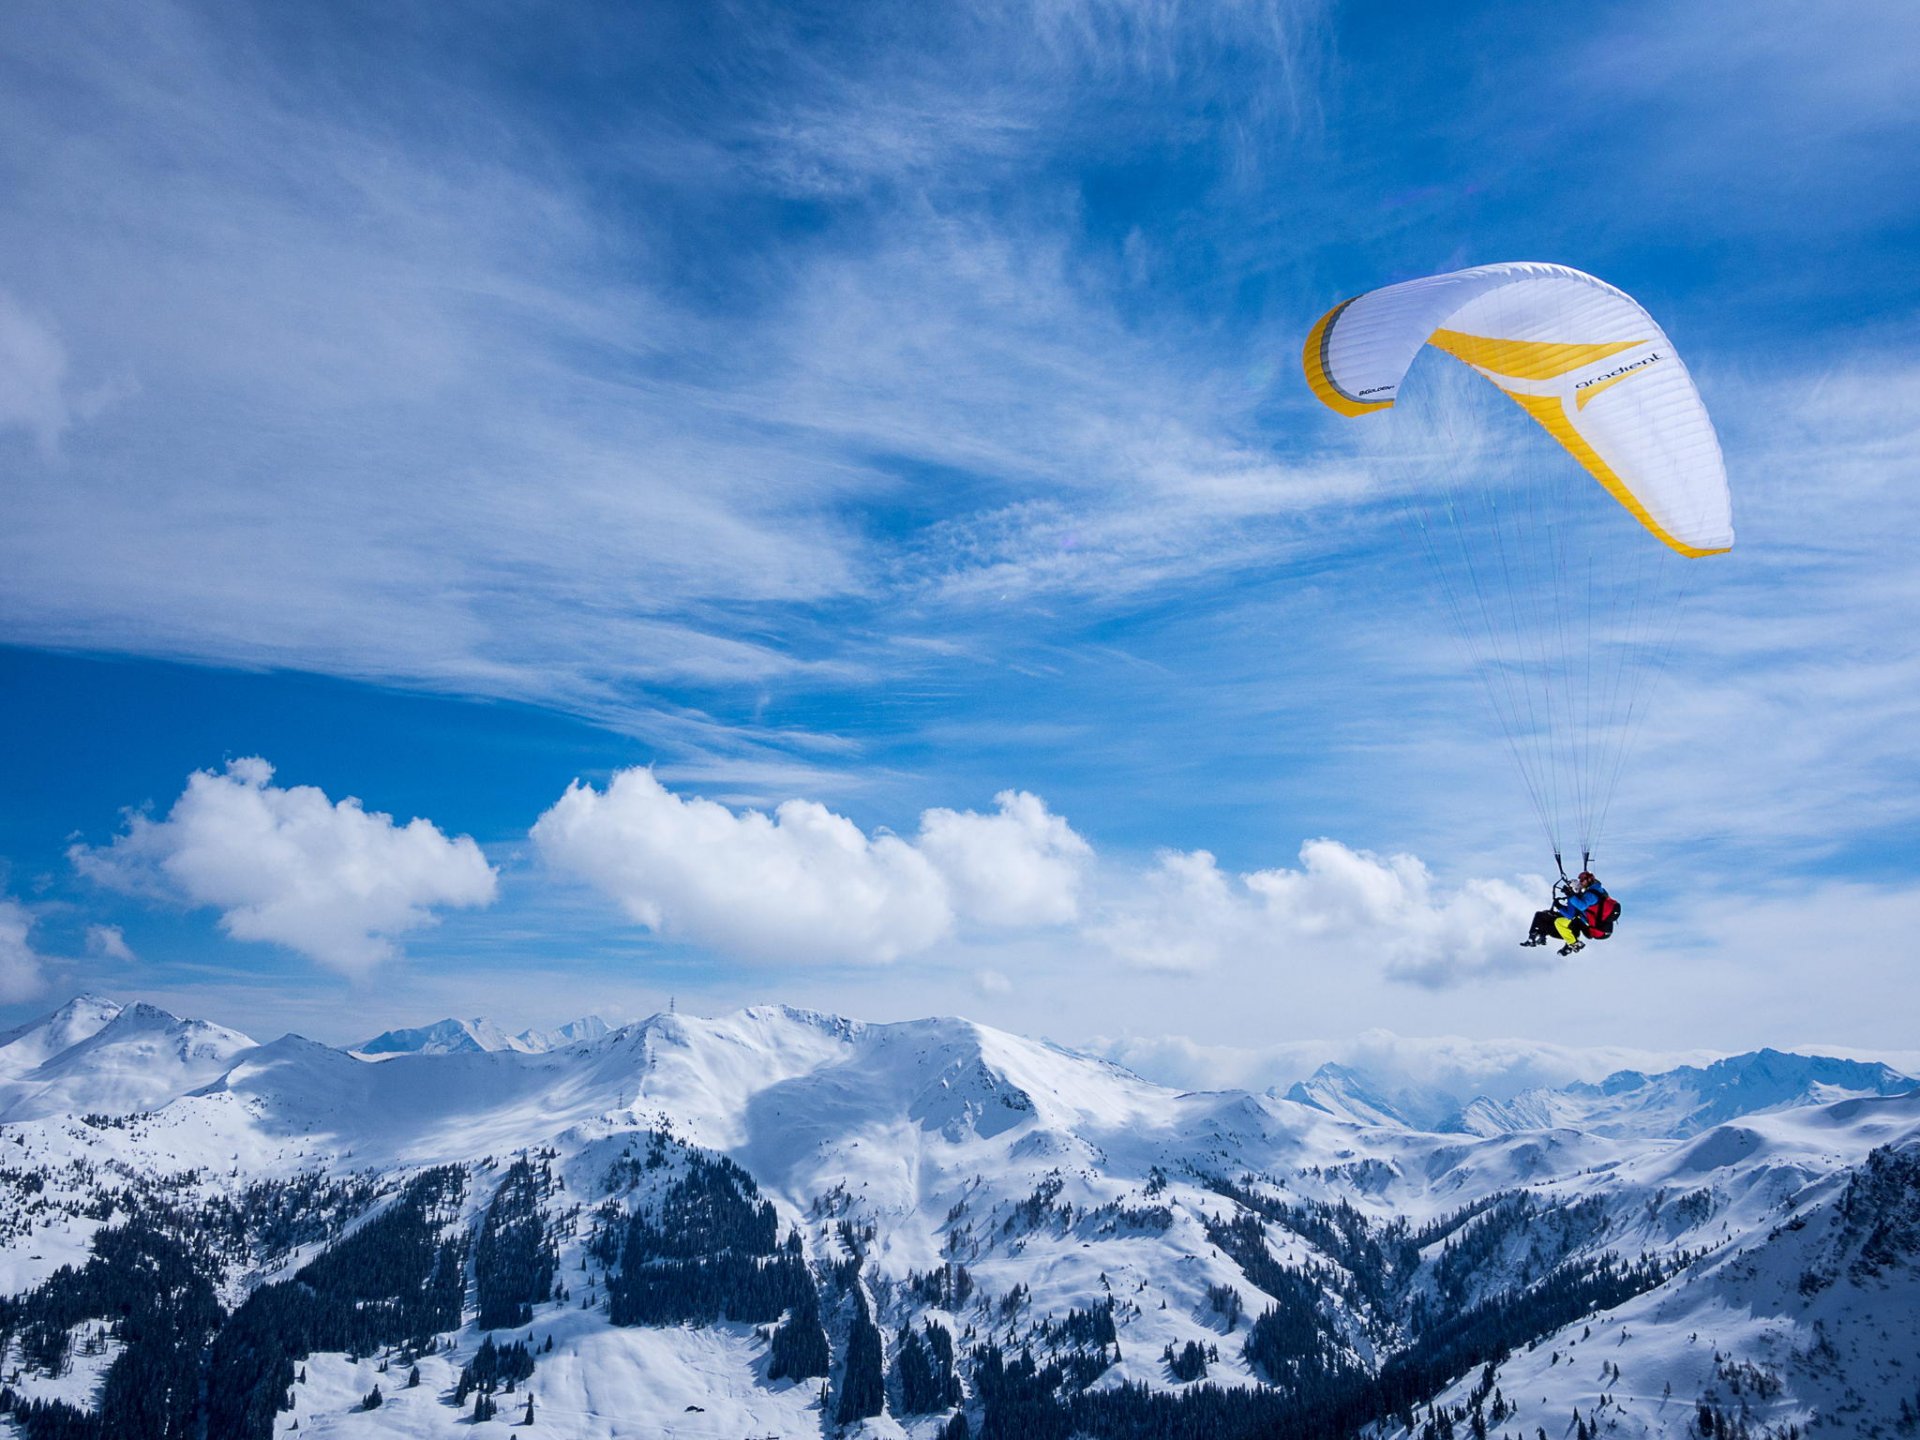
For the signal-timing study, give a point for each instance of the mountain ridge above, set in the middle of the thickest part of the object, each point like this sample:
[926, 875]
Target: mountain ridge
[450, 1036]
[942, 1178]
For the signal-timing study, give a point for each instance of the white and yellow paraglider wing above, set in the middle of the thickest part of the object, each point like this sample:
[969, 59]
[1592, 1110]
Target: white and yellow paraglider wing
[1582, 358]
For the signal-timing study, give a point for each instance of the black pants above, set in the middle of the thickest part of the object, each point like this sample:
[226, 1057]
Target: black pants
[1543, 926]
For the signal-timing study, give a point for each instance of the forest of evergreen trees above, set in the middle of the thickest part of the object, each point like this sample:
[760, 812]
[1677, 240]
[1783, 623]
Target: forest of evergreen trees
[709, 1252]
[863, 1386]
[513, 1256]
[151, 1281]
[924, 1371]
[393, 1281]
[798, 1349]
[494, 1367]
[1318, 1391]
[164, 1309]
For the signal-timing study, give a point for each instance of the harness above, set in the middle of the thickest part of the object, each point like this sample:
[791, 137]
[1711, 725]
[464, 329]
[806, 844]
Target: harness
[1598, 918]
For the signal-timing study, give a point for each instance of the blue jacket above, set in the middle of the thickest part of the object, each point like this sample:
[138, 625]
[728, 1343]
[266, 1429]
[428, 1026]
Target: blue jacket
[1576, 904]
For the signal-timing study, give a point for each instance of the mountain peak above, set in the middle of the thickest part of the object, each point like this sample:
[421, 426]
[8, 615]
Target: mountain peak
[481, 1035]
[442, 1037]
[83, 1015]
[1348, 1094]
[142, 1015]
[95, 1055]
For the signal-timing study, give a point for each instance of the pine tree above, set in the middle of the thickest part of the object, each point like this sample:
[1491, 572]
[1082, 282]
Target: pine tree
[863, 1389]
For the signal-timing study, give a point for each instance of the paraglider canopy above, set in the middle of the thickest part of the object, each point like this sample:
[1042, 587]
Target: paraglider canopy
[1566, 612]
[1582, 358]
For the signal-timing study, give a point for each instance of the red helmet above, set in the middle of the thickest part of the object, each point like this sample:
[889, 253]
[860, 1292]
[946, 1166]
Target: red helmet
[1585, 877]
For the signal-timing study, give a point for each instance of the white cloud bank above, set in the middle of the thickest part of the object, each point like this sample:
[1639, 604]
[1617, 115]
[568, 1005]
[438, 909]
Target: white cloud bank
[1186, 914]
[20, 973]
[806, 884]
[802, 883]
[328, 879]
[1022, 865]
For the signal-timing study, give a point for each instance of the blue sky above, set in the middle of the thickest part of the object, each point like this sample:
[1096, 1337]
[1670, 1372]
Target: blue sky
[879, 410]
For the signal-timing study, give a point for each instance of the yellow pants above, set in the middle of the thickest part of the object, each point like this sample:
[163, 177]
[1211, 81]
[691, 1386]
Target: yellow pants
[1563, 926]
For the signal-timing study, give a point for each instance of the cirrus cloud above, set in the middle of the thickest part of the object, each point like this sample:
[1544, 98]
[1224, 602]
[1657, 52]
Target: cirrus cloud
[110, 942]
[331, 880]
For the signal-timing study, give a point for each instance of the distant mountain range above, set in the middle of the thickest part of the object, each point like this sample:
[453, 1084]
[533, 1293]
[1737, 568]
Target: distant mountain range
[451, 1037]
[785, 1222]
[1674, 1104]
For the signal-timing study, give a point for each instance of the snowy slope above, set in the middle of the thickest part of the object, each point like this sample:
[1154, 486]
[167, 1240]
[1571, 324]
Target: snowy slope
[135, 1058]
[1803, 1316]
[1060, 1182]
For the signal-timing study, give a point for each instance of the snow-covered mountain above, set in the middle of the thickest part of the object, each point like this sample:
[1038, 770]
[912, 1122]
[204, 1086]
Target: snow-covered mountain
[784, 1222]
[92, 1055]
[1672, 1103]
[1803, 1315]
[27, 1047]
[449, 1037]
[1349, 1094]
[574, 1032]
[1689, 1099]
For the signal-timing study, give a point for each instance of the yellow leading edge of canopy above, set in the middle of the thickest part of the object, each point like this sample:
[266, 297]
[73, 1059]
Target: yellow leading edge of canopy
[1314, 360]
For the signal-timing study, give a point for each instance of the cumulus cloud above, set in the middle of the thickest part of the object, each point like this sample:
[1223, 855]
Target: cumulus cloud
[20, 973]
[1021, 865]
[1186, 914]
[328, 879]
[800, 884]
[804, 883]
